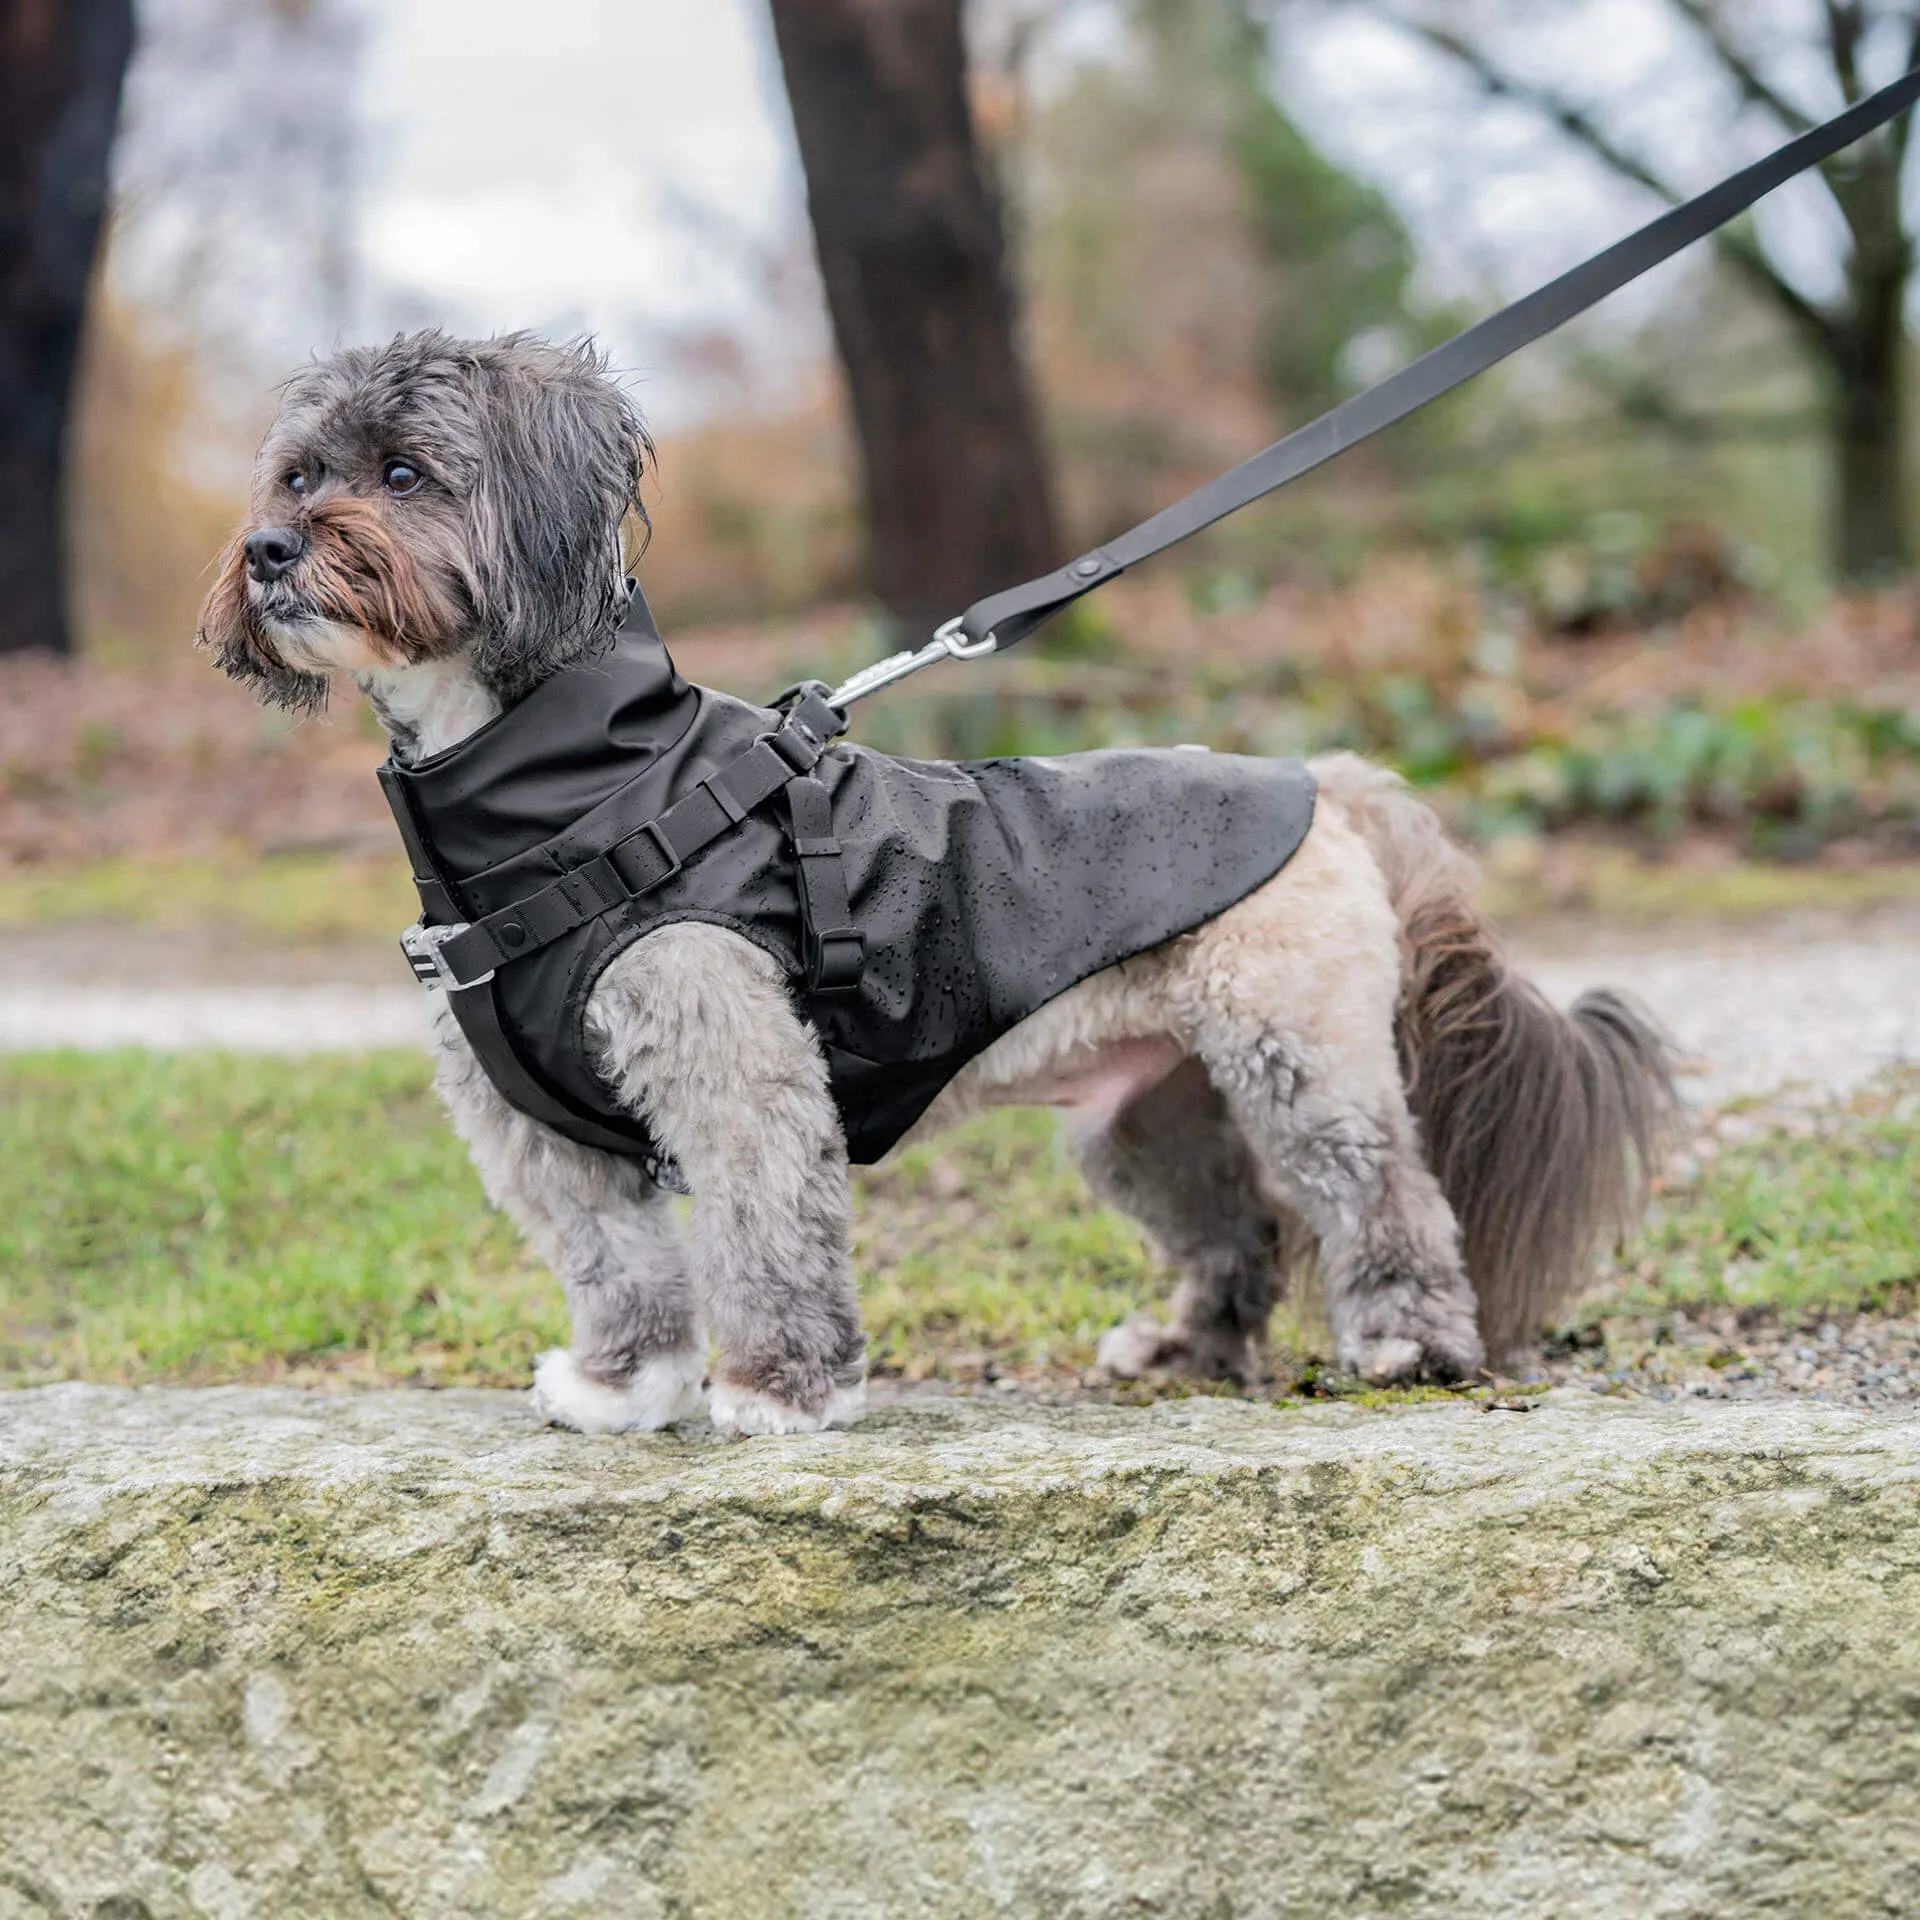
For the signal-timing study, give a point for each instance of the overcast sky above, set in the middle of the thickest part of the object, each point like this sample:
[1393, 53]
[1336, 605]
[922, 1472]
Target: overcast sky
[627, 168]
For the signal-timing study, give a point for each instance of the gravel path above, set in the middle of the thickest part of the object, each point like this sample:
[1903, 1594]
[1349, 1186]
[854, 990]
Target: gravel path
[1759, 1010]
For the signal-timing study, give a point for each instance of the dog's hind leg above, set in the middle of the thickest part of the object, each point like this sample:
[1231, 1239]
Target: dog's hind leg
[1176, 1162]
[693, 1027]
[638, 1356]
[1289, 1001]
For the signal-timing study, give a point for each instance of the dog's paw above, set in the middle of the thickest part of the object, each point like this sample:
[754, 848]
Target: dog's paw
[663, 1389]
[1385, 1363]
[1138, 1345]
[746, 1411]
[1141, 1345]
[1398, 1362]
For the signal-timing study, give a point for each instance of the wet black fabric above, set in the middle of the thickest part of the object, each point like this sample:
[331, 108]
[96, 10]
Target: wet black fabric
[983, 888]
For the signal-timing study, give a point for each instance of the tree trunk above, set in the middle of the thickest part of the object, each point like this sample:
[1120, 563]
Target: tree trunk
[61, 65]
[911, 250]
[1871, 535]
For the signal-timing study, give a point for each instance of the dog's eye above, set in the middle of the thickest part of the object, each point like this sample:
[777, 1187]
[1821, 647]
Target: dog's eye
[398, 477]
[296, 483]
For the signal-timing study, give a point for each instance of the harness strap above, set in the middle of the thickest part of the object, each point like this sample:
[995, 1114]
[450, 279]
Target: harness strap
[836, 950]
[479, 1016]
[649, 856]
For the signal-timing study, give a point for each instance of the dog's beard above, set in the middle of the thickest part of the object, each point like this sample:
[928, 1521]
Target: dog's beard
[305, 639]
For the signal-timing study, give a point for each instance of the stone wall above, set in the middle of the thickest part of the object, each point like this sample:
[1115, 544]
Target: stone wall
[264, 1654]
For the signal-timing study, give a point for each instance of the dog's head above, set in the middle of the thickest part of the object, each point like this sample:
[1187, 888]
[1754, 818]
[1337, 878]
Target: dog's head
[427, 498]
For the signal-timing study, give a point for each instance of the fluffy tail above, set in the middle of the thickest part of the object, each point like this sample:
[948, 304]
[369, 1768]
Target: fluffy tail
[1543, 1128]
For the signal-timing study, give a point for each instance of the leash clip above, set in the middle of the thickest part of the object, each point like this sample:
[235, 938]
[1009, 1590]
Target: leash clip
[945, 645]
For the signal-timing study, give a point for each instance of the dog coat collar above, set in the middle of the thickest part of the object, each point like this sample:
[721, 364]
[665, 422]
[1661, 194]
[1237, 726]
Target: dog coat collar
[960, 897]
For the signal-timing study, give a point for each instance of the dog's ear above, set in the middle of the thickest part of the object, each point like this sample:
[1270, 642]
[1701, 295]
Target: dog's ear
[230, 631]
[562, 453]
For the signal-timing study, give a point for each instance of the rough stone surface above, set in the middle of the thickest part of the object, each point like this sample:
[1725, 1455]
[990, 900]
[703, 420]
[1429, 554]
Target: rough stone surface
[267, 1654]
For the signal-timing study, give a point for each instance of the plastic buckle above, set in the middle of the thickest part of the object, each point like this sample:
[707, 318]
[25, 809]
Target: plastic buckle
[798, 745]
[839, 959]
[422, 943]
[658, 835]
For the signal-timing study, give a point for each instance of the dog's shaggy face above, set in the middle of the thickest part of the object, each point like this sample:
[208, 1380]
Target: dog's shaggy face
[427, 498]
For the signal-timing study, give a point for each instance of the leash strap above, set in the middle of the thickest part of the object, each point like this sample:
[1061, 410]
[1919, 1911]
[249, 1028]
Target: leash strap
[1004, 619]
[456, 955]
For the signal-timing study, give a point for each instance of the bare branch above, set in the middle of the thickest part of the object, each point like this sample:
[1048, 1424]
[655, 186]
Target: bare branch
[1846, 24]
[1903, 127]
[1736, 247]
[1752, 82]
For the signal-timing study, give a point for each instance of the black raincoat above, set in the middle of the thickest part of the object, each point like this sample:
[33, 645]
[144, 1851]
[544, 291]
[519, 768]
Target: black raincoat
[982, 889]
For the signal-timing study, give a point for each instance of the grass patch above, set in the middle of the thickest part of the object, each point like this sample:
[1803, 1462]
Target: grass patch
[1820, 1212]
[1625, 888]
[212, 1217]
[298, 896]
[215, 1217]
[207, 1217]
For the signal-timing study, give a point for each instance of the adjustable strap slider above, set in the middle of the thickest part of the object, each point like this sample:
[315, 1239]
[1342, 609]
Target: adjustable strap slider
[838, 960]
[426, 951]
[835, 949]
[645, 859]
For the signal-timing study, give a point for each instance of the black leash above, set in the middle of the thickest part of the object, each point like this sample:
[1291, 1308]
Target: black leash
[1004, 619]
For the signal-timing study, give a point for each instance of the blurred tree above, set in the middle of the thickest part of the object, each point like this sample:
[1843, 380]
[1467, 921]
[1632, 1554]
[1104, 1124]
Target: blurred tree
[1203, 276]
[62, 63]
[1859, 340]
[909, 236]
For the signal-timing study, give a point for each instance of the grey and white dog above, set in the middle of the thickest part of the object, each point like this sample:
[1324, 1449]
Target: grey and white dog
[1340, 1072]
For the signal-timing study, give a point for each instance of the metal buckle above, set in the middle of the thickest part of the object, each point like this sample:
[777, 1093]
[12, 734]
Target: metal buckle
[883, 673]
[422, 943]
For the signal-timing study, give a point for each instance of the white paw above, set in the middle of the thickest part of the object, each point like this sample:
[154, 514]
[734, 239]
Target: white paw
[1134, 1347]
[663, 1389]
[743, 1411]
[1386, 1361]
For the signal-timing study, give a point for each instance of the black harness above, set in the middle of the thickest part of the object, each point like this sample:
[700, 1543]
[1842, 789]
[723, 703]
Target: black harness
[918, 909]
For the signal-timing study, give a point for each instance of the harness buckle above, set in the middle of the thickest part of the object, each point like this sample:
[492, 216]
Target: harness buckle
[422, 943]
[638, 882]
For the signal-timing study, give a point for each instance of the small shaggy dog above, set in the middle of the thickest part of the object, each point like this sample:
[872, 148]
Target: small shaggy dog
[1340, 1071]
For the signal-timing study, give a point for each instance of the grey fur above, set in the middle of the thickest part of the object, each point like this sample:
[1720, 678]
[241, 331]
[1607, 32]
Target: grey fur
[1349, 1166]
[1205, 1209]
[1273, 1072]
[693, 1026]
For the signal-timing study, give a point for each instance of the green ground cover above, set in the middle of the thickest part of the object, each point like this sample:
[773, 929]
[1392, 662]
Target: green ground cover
[217, 1217]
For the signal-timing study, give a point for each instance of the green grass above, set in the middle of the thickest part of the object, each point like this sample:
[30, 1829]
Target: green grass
[215, 1217]
[1821, 1213]
[209, 1216]
[299, 897]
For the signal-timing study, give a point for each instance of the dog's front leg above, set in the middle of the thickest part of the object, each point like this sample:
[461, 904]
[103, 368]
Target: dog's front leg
[693, 1027]
[608, 1233]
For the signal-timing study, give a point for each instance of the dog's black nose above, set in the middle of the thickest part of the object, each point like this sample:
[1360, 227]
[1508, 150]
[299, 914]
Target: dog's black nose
[273, 551]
